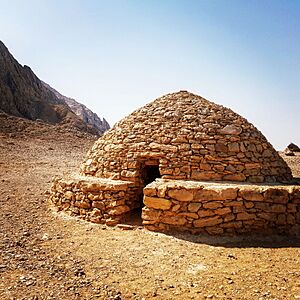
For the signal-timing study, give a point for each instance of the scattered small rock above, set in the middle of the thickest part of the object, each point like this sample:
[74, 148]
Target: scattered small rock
[45, 237]
[125, 227]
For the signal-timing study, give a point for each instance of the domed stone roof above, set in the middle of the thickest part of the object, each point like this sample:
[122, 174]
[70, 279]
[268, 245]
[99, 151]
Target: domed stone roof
[185, 137]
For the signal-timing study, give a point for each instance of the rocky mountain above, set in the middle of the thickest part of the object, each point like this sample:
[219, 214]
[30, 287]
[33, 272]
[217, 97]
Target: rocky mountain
[82, 111]
[23, 94]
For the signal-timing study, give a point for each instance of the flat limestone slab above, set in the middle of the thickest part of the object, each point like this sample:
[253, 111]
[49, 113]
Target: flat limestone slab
[89, 183]
[190, 184]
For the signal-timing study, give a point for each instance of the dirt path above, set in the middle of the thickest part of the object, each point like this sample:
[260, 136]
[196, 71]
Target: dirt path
[45, 255]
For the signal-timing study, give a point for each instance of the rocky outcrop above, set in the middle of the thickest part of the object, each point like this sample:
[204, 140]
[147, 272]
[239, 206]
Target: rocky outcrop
[87, 115]
[293, 147]
[82, 111]
[23, 94]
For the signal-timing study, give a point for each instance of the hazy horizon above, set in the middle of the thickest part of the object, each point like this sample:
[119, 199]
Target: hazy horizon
[116, 56]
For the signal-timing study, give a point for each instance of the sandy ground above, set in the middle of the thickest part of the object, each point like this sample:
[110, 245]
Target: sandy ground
[45, 255]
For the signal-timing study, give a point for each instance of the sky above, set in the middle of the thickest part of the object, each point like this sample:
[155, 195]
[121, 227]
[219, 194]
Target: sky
[115, 56]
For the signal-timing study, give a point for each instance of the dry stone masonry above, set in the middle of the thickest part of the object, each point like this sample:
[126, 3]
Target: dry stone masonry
[187, 141]
[190, 138]
[220, 208]
[95, 200]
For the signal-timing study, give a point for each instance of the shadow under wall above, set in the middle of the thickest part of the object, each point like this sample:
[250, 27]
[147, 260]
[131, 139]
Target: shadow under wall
[240, 241]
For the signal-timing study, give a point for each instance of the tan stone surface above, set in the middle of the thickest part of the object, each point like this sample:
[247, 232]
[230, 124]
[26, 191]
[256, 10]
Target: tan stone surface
[251, 193]
[212, 205]
[183, 202]
[148, 191]
[235, 177]
[245, 216]
[157, 203]
[277, 195]
[194, 206]
[68, 195]
[222, 211]
[119, 210]
[174, 220]
[207, 222]
[150, 214]
[190, 138]
[244, 207]
[181, 195]
[205, 213]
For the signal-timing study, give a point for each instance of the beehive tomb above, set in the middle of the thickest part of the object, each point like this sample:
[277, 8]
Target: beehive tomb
[191, 165]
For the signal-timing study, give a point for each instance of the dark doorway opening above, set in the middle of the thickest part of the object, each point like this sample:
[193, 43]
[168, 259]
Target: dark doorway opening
[151, 172]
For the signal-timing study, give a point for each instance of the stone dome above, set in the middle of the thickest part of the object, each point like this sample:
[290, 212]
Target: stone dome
[202, 152]
[184, 136]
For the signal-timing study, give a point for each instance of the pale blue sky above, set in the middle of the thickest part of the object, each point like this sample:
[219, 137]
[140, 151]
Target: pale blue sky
[115, 56]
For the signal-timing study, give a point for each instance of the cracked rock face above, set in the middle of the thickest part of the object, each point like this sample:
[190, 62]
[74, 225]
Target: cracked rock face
[187, 137]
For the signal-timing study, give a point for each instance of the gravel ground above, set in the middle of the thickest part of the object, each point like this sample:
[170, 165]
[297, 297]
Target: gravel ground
[48, 255]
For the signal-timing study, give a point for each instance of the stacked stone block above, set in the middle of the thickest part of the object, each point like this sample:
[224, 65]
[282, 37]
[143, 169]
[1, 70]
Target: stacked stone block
[96, 200]
[200, 207]
[190, 138]
[200, 148]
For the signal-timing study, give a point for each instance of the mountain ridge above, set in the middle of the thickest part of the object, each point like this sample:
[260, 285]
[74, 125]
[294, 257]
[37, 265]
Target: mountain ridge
[23, 94]
[81, 111]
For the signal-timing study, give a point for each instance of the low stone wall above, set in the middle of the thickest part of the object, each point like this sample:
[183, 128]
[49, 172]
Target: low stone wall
[220, 208]
[94, 199]
[197, 207]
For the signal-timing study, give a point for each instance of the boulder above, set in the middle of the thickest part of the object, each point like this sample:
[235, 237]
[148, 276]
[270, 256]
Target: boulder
[293, 147]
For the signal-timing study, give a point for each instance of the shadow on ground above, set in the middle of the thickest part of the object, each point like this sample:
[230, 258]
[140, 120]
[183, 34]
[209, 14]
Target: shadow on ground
[243, 241]
[134, 222]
